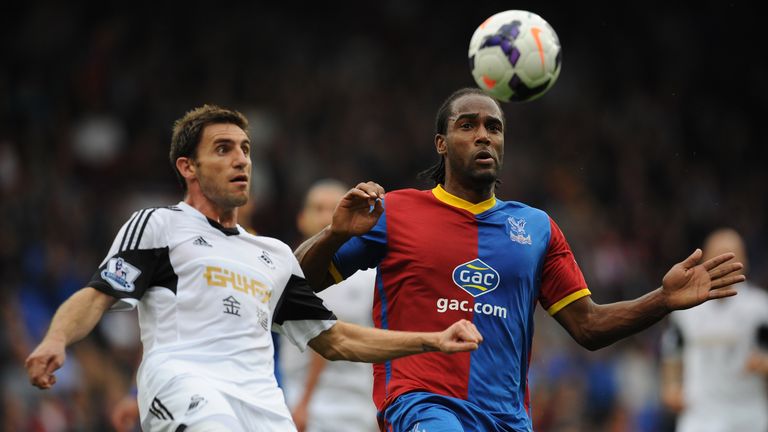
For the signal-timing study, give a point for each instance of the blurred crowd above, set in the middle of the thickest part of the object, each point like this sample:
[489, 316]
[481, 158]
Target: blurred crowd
[649, 140]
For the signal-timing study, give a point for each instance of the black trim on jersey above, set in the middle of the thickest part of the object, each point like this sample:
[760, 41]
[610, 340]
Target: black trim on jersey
[672, 341]
[228, 231]
[299, 302]
[143, 226]
[762, 337]
[679, 336]
[133, 231]
[160, 408]
[156, 414]
[131, 223]
[181, 428]
[156, 270]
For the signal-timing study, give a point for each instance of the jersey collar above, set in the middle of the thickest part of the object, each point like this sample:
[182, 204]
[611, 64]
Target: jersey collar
[452, 200]
[227, 231]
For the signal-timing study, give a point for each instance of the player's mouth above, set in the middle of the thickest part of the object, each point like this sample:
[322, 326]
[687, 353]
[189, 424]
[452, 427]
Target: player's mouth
[241, 179]
[484, 157]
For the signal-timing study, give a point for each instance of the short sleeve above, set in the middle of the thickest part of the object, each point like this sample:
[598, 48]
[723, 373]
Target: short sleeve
[300, 315]
[562, 282]
[361, 252]
[137, 260]
[672, 340]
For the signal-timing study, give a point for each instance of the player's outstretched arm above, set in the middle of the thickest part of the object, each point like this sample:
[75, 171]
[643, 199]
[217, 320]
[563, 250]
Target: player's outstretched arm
[345, 341]
[686, 284]
[74, 319]
[357, 212]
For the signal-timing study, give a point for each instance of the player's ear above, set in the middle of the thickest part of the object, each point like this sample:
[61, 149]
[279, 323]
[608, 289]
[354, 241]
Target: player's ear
[440, 144]
[186, 167]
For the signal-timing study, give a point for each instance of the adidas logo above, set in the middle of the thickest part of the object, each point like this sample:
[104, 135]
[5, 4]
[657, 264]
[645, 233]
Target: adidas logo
[200, 241]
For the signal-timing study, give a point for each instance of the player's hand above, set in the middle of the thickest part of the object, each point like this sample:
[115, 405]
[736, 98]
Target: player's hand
[44, 360]
[460, 336]
[359, 210]
[125, 415]
[689, 283]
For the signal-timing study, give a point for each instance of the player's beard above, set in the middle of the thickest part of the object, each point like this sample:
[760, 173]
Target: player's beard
[481, 177]
[218, 193]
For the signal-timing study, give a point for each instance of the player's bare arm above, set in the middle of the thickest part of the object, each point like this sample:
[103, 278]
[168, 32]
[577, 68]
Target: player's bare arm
[686, 284]
[74, 319]
[300, 412]
[345, 341]
[357, 212]
[672, 384]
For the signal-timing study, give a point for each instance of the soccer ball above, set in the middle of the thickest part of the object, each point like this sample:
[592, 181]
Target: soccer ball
[515, 56]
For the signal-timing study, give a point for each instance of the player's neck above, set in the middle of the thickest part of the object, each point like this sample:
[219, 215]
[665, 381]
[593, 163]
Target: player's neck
[475, 194]
[227, 217]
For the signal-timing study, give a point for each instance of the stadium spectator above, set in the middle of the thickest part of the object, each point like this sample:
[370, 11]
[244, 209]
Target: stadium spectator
[714, 358]
[331, 396]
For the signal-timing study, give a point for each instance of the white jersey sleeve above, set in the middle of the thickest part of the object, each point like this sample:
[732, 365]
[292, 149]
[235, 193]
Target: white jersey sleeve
[299, 314]
[138, 259]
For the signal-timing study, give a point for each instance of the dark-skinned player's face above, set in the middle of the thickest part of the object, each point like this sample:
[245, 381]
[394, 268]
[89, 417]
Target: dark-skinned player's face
[473, 145]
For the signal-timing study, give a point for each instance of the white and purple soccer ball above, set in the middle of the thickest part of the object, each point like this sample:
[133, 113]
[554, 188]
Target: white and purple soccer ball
[515, 56]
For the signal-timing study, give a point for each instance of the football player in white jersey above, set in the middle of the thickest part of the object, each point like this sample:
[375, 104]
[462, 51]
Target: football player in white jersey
[208, 293]
[331, 396]
[714, 360]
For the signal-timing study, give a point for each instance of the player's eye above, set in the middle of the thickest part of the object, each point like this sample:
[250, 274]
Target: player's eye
[246, 150]
[221, 149]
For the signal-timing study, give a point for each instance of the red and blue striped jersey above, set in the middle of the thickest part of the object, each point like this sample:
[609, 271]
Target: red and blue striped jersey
[440, 258]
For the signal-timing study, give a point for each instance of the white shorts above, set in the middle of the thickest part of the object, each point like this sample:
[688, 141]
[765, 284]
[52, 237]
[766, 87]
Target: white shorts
[187, 401]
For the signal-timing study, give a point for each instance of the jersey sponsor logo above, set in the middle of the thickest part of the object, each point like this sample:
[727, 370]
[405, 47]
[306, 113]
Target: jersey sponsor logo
[200, 241]
[221, 277]
[517, 231]
[476, 277]
[444, 305]
[120, 274]
[231, 306]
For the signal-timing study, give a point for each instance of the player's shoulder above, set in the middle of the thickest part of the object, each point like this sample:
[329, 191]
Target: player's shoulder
[511, 204]
[158, 215]
[148, 224]
[275, 246]
[521, 209]
[752, 294]
[409, 194]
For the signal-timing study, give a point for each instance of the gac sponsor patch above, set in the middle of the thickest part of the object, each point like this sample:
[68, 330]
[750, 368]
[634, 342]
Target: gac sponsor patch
[476, 277]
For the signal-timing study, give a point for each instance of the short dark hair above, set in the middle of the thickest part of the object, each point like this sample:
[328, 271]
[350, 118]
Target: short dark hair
[436, 172]
[188, 130]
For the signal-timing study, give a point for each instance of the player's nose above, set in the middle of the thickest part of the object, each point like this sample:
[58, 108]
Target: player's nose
[242, 159]
[483, 135]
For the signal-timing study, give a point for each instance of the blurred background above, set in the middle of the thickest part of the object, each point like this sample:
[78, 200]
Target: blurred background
[648, 141]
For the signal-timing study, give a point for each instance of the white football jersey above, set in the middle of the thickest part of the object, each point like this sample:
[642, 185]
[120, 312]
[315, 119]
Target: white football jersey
[342, 399]
[207, 298]
[714, 341]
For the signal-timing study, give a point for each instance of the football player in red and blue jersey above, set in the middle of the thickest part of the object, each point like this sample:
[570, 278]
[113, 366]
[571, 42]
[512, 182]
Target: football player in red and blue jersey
[456, 251]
